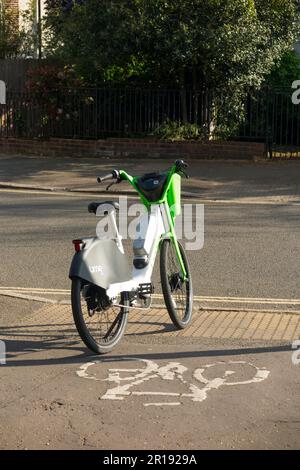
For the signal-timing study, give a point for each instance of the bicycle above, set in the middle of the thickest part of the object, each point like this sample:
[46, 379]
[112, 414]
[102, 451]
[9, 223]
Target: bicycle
[103, 286]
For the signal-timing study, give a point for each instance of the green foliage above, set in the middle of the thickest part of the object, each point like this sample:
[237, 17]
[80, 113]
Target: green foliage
[179, 131]
[10, 39]
[285, 71]
[96, 35]
[228, 113]
[18, 38]
[228, 46]
[225, 42]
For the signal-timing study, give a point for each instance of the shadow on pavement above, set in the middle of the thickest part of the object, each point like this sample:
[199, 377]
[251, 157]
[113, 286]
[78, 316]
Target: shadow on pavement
[22, 341]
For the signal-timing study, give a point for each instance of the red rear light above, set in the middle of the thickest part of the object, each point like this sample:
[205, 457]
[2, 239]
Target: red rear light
[78, 245]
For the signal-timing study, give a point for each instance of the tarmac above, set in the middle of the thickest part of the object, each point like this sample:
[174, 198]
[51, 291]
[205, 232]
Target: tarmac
[228, 381]
[218, 180]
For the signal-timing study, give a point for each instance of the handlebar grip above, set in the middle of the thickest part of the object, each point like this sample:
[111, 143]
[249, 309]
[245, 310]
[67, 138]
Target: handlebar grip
[114, 174]
[100, 179]
[181, 164]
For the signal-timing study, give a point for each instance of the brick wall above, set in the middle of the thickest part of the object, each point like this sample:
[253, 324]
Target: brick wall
[143, 148]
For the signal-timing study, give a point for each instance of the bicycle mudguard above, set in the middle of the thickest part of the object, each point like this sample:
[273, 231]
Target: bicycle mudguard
[100, 262]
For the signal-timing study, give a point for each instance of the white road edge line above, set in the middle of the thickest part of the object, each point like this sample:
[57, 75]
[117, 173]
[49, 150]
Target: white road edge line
[33, 295]
[133, 197]
[247, 300]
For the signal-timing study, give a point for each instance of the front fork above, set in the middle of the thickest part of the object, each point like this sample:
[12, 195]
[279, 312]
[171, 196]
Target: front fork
[172, 235]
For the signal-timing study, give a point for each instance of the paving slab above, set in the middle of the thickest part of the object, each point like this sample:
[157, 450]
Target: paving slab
[50, 318]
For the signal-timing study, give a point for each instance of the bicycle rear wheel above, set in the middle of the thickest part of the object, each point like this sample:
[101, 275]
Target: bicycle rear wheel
[99, 322]
[177, 292]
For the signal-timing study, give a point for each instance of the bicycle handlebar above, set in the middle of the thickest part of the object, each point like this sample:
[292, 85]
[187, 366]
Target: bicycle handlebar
[180, 165]
[113, 175]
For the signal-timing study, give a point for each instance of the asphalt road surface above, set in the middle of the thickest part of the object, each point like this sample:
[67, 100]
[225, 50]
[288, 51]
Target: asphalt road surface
[169, 395]
[155, 391]
[250, 250]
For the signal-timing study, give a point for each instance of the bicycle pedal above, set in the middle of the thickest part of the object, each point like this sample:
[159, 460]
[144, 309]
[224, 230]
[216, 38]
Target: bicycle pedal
[145, 289]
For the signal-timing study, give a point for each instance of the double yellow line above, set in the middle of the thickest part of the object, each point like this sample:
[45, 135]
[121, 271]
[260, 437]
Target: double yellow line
[35, 293]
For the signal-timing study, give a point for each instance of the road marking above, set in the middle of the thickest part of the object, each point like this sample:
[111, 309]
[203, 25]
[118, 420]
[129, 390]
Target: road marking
[215, 303]
[189, 198]
[28, 297]
[172, 371]
[163, 404]
[249, 300]
[69, 193]
[35, 289]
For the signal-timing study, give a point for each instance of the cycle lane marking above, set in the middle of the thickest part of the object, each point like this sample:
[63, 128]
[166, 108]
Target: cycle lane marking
[170, 372]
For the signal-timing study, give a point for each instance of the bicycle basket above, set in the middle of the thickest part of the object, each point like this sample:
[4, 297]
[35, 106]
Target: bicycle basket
[152, 185]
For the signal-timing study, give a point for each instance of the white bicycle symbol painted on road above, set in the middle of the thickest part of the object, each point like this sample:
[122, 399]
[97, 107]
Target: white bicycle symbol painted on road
[125, 385]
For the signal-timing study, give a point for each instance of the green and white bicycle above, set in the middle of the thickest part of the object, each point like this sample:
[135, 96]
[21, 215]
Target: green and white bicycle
[105, 288]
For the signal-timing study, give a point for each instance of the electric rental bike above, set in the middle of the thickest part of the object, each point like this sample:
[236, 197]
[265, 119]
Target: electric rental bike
[105, 288]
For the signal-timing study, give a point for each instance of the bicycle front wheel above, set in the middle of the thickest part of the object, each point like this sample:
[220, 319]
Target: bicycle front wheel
[99, 322]
[177, 292]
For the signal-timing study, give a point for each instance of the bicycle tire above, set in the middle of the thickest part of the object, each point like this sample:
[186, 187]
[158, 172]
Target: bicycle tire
[97, 346]
[166, 283]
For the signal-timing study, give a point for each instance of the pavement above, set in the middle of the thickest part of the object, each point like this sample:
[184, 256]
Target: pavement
[229, 181]
[50, 316]
[228, 381]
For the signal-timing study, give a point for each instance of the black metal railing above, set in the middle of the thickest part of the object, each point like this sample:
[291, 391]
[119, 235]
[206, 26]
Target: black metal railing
[93, 113]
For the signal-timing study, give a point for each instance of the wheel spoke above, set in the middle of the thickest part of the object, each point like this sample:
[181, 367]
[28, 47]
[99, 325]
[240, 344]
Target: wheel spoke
[101, 324]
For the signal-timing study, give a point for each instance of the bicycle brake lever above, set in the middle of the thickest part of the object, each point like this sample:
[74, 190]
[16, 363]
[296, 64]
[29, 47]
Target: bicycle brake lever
[109, 186]
[185, 174]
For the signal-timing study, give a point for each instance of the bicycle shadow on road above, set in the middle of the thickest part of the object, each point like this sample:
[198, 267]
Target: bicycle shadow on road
[28, 347]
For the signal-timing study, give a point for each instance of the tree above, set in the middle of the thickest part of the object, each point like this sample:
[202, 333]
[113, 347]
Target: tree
[228, 46]
[29, 31]
[10, 38]
[285, 71]
[97, 36]
[224, 42]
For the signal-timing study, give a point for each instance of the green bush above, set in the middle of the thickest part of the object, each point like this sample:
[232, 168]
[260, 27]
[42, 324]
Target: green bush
[175, 131]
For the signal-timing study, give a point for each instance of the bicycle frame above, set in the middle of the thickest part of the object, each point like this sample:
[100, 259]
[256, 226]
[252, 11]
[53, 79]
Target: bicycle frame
[97, 265]
[158, 229]
[171, 215]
